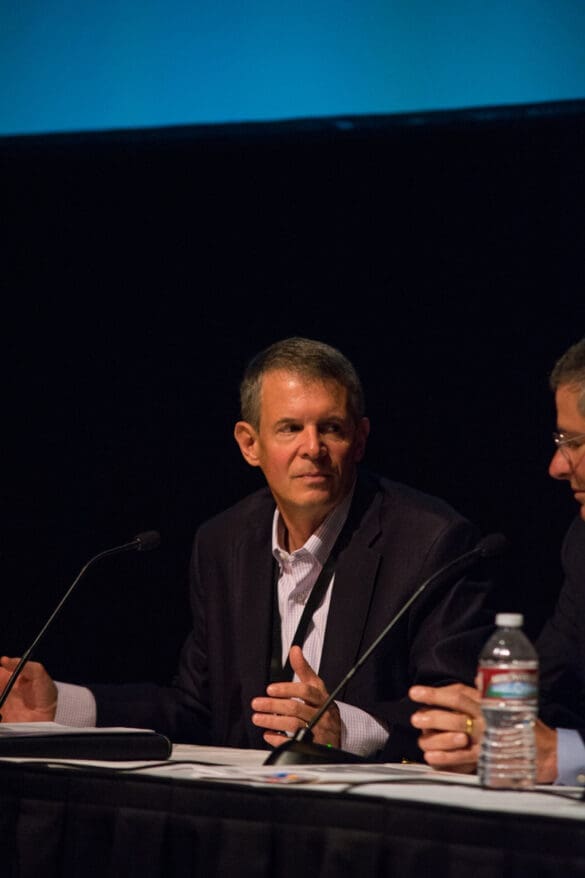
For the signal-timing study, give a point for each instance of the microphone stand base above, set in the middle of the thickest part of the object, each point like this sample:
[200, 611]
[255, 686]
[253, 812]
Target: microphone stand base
[306, 753]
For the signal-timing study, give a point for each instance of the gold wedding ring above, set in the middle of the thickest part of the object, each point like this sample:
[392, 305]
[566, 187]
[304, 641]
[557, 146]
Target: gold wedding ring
[469, 726]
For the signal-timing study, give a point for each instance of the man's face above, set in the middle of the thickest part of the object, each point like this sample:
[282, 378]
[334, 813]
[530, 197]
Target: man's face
[307, 445]
[568, 462]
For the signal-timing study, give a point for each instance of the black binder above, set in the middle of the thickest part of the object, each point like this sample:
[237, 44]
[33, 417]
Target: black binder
[99, 745]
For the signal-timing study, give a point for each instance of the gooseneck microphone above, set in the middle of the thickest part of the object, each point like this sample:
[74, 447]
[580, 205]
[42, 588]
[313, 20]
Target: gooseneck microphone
[301, 749]
[142, 542]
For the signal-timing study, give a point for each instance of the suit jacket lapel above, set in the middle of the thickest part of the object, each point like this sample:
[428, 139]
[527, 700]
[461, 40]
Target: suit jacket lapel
[355, 578]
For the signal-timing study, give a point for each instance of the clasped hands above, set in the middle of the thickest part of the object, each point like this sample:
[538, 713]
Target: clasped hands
[451, 726]
[288, 707]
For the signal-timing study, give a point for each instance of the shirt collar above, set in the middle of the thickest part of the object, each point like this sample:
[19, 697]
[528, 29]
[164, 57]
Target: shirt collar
[321, 542]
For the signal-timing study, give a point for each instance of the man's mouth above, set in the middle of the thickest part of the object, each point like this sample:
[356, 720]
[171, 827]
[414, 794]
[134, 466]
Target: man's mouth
[317, 475]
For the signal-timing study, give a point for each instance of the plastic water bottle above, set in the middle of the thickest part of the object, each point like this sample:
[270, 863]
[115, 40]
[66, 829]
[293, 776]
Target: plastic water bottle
[508, 684]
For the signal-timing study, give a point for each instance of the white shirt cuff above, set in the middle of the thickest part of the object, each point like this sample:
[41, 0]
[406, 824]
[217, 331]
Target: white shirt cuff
[570, 758]
[361, 733]
[75, 706]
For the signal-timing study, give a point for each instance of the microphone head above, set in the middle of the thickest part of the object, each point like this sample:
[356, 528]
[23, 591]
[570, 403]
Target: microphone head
[492, 545]
[149, 539]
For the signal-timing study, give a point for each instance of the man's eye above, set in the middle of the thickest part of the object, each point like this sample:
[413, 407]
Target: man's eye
[573, 444]
[331, 428]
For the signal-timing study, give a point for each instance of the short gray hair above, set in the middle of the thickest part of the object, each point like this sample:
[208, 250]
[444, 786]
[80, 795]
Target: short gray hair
[307, 357]
[569, 369]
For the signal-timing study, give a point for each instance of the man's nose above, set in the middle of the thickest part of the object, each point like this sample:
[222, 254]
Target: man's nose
[559, 467]
[314, 445]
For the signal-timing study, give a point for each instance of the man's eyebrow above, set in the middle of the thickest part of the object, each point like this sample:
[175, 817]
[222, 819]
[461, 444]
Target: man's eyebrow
[287, 421]
[326, 419]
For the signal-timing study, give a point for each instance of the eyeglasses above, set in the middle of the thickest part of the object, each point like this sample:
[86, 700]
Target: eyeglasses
[568, 444]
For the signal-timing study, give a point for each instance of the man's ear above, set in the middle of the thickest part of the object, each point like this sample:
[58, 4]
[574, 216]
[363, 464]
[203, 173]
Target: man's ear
[247, 438]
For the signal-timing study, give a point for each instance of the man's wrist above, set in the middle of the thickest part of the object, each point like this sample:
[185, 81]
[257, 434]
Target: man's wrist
[547, 755]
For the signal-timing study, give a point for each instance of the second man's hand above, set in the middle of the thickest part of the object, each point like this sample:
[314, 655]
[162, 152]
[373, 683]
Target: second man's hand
[451, 726]
[288, 707]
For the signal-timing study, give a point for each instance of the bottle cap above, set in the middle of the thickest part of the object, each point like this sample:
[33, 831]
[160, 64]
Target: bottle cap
[509, 620]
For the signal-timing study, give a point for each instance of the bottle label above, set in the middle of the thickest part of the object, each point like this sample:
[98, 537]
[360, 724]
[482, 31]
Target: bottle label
[512, 683]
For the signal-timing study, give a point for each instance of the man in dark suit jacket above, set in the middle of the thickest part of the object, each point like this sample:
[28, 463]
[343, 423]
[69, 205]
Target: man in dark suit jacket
[254, 566]
[560, 731]
[561, 644]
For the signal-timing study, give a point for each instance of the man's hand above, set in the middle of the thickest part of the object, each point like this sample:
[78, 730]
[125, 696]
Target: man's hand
[451, 743]
[33, 697]
[452, 726]
[288, 707]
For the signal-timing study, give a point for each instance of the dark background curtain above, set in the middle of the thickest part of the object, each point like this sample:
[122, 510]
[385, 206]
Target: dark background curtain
[443, 252]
